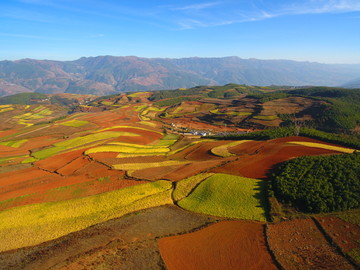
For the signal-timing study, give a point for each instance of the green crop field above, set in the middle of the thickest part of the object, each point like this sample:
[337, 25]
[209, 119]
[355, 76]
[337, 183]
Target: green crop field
[33, 224]
[14, 144]
[228, 196]
[185, 186]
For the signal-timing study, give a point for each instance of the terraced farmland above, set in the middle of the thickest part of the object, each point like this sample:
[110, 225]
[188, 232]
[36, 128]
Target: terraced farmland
[129, 182]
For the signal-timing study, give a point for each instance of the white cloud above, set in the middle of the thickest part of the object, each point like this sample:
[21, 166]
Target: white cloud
[260, 12]
[198, 6]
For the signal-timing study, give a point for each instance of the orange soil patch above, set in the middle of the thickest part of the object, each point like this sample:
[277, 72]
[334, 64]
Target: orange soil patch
[258, 157]
[7, 151]
[95, 170]
[20, 176]
[8, 132]
[56, 162]
[225, 245]
[344, 234]
[298, 244]
[74, 165]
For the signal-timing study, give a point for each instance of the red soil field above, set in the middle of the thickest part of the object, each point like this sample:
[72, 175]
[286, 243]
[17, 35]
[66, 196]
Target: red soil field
[74, 165]
[298, 244]
[192, 169]
[7, 151]
[56, 162]
[34, 182]
[256, 158]
[11, 178]
[346, 235]
[225, 245]
[155, 173]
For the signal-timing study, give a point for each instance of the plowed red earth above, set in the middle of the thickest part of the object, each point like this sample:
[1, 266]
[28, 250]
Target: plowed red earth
[225, 245]
[256, 158]
[298, 244]
[346, 235]
[74, 165]
[56, 162]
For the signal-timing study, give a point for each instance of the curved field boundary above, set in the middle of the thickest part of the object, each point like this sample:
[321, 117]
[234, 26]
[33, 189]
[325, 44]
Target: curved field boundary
[79, 142]
[229, 196]
[34, 224]
[325, 146]
[184, 187]
[223, 150]
[132, 127]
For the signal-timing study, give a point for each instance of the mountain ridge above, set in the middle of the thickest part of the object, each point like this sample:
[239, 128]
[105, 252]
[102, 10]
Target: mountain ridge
[103, 75]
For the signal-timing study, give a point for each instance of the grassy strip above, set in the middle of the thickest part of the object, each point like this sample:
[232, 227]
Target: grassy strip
[223, 151]
[74, 123]
[228, 196]
[34, 224]
[185, 186]
[14, 144]
[325, 146]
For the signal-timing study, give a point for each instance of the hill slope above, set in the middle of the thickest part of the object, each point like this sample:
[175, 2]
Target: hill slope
[104, 75]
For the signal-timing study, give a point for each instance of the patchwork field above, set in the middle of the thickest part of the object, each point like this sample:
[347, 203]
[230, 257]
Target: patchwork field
[134, 182]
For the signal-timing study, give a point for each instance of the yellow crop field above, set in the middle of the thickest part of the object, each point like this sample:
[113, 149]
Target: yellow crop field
[147, 165]
[222, 150]
[33, 224]
[127, 149]
[185, 187]
[6, 108]
[74, 123]
[325, 146]
[148, 123]
[138, 94]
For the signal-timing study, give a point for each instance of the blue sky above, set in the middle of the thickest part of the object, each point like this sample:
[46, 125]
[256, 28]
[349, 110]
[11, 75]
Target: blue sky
[326, 31]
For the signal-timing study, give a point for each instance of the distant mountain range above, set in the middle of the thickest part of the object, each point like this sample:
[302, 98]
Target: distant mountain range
[104, 75]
